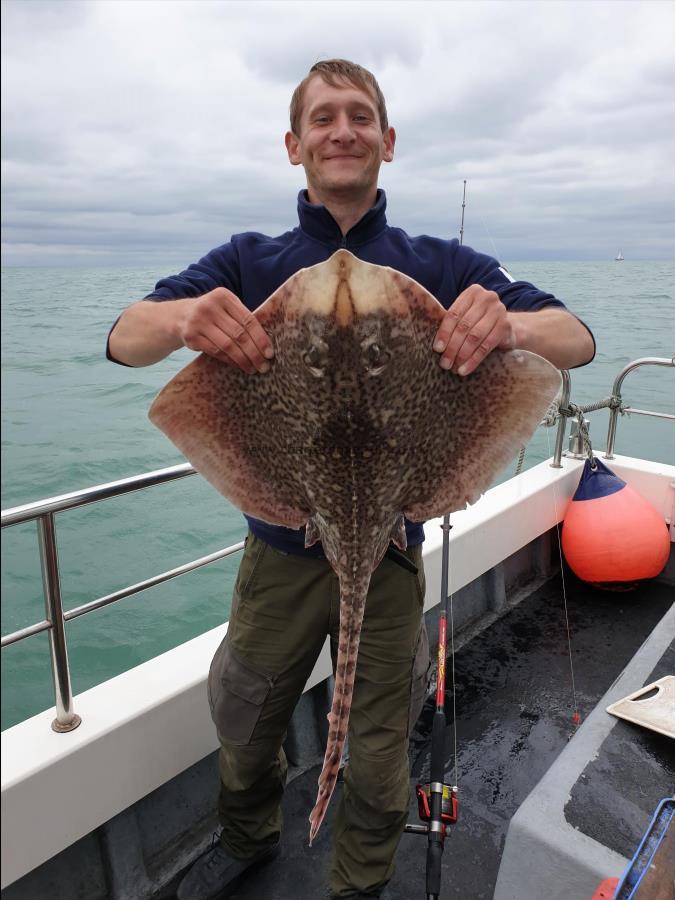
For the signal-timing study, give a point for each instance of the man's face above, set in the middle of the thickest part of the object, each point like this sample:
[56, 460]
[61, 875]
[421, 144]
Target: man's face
[341, 143]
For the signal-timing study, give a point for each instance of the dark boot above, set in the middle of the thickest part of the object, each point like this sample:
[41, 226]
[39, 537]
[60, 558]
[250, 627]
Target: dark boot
[216, 870]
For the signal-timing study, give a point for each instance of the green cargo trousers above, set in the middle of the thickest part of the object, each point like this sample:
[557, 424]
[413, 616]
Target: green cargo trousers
[283, 607]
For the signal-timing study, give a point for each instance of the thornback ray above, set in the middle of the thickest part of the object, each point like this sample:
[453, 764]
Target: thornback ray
[355, 426]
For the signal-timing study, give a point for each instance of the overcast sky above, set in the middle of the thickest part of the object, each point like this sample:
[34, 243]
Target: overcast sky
[139, 133]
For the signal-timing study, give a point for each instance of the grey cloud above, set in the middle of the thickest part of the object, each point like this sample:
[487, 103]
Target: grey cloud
[52, 15]
[151, 131]
[298, 34]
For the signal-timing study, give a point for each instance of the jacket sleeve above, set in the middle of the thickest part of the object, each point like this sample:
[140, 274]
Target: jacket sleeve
[517, 296]
[219, 268]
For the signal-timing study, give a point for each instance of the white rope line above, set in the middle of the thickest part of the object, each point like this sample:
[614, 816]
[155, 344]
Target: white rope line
[455, 779]
[564, 591]
[494, 246]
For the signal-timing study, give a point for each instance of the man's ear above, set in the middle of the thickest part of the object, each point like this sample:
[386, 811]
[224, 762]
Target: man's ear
[293, 148]
[388, 140]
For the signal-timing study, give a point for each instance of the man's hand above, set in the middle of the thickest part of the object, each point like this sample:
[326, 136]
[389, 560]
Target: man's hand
[219, 324]
[476, 324]
[216, 323]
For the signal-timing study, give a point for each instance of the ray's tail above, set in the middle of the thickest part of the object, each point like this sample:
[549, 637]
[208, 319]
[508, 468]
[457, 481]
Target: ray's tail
[352, 604]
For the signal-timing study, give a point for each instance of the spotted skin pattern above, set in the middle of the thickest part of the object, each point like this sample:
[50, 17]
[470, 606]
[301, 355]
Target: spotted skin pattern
[355, 426]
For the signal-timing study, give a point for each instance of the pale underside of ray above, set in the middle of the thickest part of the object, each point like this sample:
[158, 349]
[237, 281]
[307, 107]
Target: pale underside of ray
[355, 425]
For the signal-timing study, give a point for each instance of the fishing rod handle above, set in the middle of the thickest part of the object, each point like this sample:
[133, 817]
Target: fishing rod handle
[434, 856]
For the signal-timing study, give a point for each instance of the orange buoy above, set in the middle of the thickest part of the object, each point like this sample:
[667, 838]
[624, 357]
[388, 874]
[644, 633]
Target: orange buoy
[612, 537]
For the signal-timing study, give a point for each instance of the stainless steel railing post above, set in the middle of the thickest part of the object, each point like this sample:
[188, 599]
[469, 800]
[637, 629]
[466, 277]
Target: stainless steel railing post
[562, 424]
[66, 719]
[616, 395]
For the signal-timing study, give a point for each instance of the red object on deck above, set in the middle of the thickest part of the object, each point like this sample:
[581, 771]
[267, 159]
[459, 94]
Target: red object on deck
[611, 535]
[606, 890]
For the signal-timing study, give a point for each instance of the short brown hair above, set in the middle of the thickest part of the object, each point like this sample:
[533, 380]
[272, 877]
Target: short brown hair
[333, 72]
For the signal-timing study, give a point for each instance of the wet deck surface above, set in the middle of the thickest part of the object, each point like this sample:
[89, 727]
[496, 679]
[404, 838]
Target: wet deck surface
[618, 793]
[514, 716]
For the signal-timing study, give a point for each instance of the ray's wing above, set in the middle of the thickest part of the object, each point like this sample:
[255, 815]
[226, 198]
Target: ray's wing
[466, 429]
[236, 429]
[505, 399]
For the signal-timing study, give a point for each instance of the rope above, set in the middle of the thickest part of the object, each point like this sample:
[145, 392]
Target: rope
[455, 776]
[552, 414]
[585, 437]
[572, 409]
[576, 718]
[521, 457]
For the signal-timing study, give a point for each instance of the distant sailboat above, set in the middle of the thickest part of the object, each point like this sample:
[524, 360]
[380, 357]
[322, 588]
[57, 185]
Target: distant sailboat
[619, 256]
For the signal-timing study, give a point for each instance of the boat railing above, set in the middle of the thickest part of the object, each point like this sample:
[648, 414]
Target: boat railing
[614, 403]
[44, 512]
[616, 406]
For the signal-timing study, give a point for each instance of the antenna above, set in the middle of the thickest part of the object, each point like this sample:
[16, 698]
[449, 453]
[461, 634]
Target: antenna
[461, 227]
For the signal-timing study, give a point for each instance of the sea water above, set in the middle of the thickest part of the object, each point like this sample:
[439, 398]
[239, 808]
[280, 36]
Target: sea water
[71, 420]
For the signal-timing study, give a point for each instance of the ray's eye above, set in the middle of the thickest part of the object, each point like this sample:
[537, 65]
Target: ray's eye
[315, 360]
[375, 357]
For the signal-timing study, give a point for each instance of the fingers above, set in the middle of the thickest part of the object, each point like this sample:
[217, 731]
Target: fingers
[236, 333]
[474, 325]
[250, 328]
[216, 343]
[474, 351]
[470, 345]
[219, 324]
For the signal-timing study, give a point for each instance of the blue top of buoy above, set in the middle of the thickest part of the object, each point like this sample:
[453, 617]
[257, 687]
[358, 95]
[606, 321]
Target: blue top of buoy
[598, 482]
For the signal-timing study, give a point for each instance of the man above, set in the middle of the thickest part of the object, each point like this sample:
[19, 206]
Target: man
[285, 599]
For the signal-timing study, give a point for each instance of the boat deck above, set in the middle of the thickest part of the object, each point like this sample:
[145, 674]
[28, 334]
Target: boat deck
[514, 717]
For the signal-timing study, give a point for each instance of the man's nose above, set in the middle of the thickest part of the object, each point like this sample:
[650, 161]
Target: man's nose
[342, 129]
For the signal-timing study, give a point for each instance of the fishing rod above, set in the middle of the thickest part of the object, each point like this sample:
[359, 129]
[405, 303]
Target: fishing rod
[444, 801]
[438, 802]
[461, 227]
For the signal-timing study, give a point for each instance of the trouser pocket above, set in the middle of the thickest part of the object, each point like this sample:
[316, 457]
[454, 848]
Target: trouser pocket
[237, 694]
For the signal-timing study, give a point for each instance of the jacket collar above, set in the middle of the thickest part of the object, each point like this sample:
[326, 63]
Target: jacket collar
[317, 222]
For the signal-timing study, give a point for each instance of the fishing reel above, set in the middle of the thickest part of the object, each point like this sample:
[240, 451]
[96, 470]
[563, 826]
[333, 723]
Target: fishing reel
[449, 803]
[449, 807]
